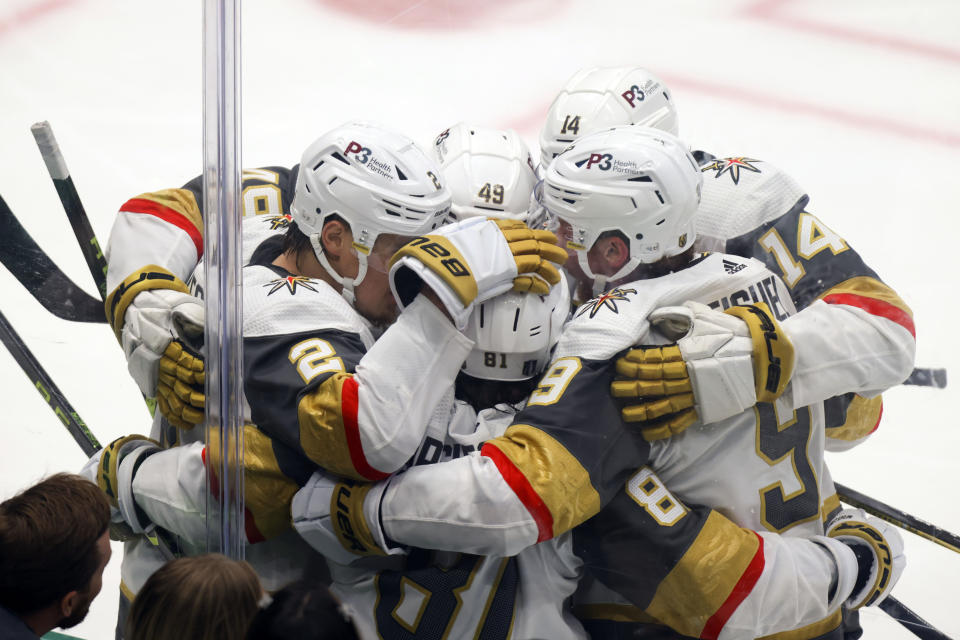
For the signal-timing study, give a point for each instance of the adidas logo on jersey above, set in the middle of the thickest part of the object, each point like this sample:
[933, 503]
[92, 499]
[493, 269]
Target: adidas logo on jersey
[732, 267]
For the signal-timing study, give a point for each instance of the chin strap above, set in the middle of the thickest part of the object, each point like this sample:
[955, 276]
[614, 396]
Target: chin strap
[600, 281]
[348, 284]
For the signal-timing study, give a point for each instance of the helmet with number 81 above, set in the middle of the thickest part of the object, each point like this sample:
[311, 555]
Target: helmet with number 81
[597, 98]
[514, 336]
[637, 181]
[376, 180]
[489, 171]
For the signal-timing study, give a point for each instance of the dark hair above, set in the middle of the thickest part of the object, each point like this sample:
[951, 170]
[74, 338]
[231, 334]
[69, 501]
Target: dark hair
[48, 541]
[296, 241]
[304, 609]
[205, 597]
[483, 394]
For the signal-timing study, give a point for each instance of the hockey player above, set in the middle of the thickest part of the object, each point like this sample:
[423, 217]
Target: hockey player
[320, 392]
[567, 454]
[489, 172]
[751, 208]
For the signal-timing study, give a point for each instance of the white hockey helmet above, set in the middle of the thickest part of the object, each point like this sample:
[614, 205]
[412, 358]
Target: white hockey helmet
[598, 98]
[639, 181]
[377, 180]
[515, 333]
[489, 172]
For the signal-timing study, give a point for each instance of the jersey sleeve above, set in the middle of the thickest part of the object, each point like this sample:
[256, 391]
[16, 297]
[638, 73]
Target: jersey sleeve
[852, 332]
[162, 231]
[355, 412]
[568, 452]
[694, 570]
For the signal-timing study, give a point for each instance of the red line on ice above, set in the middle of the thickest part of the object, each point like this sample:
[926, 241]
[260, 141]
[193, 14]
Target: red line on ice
[27, 15]
[772, 11]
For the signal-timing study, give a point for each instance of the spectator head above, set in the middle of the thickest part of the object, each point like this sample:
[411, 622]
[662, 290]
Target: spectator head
[306, 610]
[206, 597]
[54, 546]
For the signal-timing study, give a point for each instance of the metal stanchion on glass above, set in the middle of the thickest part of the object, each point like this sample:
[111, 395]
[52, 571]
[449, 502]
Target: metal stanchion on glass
[222, 258]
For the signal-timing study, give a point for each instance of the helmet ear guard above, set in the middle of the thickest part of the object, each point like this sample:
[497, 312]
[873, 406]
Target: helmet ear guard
[378, 181]
[596, 98]
[489, 171]
[639, 181]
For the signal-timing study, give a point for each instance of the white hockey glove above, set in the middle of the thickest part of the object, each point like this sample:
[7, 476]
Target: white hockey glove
[340, 519]
[159, 325]
[112, 469]
[879, 550]
[475, 260]
[722, 363]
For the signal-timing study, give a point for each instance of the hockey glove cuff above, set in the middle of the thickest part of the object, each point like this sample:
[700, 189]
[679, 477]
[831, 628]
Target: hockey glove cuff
[879, 550]
[475, 260]
[117, 464]
[340, 519]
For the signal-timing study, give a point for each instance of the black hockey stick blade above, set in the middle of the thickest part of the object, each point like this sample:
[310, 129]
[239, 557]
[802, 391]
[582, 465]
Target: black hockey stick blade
[63, 182]
[30, 264]
[50, 392]
[928, 378]
[910, 620]
[899, 518]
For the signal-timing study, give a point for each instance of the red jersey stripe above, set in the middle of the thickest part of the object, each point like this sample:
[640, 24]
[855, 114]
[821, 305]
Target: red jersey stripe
[874, 307]
[524, 490]
[744, 586]
[349, 406]
[177, 219]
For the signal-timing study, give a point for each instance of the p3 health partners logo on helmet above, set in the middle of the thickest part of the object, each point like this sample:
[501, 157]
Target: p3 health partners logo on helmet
[731, 166]
[364, 155]
[606, 162]
[636, 94]
[607, 300]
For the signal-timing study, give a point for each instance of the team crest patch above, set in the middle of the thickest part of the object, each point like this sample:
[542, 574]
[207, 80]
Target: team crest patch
[291, 283]
[608, 300]
[280, 222]
[731, 166]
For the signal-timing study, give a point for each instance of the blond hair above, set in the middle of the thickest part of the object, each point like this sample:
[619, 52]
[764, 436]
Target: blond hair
[206, 597]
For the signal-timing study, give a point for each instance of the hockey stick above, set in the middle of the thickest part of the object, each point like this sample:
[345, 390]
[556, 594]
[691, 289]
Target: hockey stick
[928, 378]
[899, 518]
[57, 168]
[64, 410]
[913, 623]
[50, 392]
[41, 276]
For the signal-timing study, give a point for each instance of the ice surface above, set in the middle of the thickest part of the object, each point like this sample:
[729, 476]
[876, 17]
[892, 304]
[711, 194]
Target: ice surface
[859, 100]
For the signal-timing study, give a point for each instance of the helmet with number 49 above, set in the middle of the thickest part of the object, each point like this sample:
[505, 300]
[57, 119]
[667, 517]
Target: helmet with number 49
[489, 171]
[597, 98]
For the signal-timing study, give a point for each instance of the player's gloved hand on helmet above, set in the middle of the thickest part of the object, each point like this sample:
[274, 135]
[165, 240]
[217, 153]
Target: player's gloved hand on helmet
[474, 260]
[112, 469]
[340, 518]
[878, 547]
[721, 364]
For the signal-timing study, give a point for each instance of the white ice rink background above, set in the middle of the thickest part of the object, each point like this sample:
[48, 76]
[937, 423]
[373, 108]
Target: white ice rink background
[858, 99]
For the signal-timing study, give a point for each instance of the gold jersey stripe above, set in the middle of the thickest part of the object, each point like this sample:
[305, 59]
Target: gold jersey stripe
[268, 493]
[711, 568]
[181, 201]
[870, 288]
[323, 435]
[554, 474]
[814, 630]
[830, 504]
[148, 277]
[863, 414]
